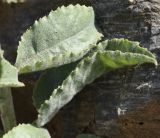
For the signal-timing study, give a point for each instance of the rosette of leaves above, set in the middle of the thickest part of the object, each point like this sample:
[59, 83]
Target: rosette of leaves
[65, 46]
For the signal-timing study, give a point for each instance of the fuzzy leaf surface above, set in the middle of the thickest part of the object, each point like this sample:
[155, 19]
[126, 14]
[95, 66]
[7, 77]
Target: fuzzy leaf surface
[86, 72]
[124, 45]
[64, 36]
[27, 131]
[51, 79]
[8, 74]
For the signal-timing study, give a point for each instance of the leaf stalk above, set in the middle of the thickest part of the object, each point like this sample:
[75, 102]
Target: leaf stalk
[7, 109]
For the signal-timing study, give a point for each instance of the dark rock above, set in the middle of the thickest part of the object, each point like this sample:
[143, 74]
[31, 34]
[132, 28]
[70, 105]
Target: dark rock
[97, 108]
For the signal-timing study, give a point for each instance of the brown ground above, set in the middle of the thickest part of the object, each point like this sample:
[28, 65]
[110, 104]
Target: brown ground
[144, 123]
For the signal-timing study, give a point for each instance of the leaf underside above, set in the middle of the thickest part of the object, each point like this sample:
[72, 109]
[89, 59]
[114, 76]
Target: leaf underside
[8, 74]
[86, 72]
[27, 131]
[51, 79]
[64, 36]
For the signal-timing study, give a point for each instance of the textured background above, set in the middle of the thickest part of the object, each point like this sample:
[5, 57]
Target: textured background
[122, 104]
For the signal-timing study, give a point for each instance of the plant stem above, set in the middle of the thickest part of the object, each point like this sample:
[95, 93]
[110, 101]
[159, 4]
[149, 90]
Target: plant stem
[7, 109]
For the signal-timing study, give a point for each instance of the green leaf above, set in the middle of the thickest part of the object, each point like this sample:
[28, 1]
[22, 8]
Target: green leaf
[51, 79]
[124, 45]
[64, 36]
[117, 59]
[86, 72]
[87, 136]
[8, 74]
[27, 131]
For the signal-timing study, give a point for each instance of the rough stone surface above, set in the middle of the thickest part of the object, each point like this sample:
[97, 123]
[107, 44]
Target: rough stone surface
[138, 20]
[97, 108]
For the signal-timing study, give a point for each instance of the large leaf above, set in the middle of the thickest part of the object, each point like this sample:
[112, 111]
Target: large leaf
[8, 74]
[64, 36]
[27, 131]
[86, 72]
[52, 78]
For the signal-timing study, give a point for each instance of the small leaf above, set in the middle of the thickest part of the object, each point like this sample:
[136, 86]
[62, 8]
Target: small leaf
[86, 72]
[27, 131]
[64, 36]
[124, 45]
[8, 74]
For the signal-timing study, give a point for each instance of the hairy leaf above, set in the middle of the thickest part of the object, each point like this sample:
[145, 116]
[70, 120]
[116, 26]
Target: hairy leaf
[64, 36]
[51, 79]
[27, 131]
[86, 72]
[124, 45]
[8, 74]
